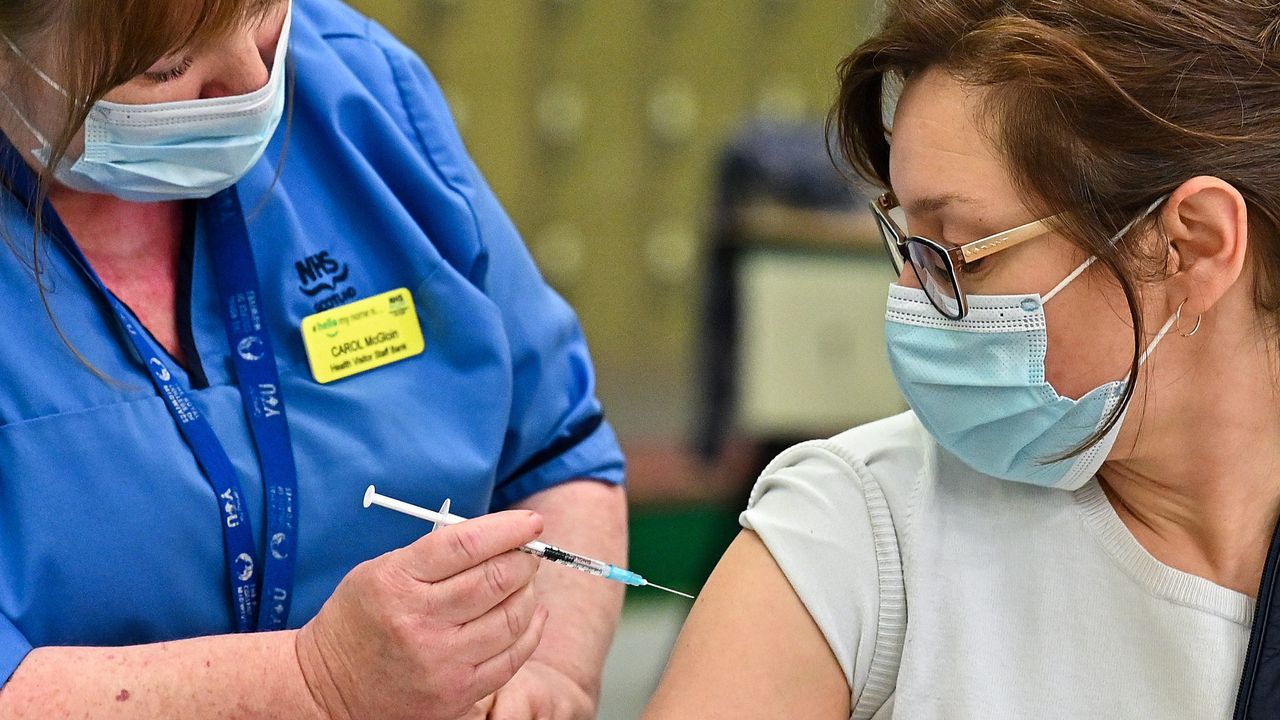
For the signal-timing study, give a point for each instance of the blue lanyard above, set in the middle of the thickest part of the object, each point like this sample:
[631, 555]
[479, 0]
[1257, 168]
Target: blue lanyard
[259, 381]
[254, 359]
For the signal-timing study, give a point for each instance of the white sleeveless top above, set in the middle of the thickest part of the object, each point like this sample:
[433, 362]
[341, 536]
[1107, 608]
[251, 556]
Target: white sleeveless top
[945, 593]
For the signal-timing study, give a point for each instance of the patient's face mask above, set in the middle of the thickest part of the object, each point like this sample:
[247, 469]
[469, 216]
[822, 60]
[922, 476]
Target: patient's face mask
[978, 385]
[179, 150]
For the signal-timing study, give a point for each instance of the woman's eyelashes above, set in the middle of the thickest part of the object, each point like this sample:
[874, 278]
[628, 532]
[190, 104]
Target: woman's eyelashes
[173, 73]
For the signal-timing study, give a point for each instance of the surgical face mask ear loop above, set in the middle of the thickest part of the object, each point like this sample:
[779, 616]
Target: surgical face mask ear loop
[1164, 330]
[39, 136]
[1067, 280]
[1094, 258]
[1169, 324]
[26, 61]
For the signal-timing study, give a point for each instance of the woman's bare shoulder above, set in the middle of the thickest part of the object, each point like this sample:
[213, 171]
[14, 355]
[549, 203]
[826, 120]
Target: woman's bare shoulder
[750, 649]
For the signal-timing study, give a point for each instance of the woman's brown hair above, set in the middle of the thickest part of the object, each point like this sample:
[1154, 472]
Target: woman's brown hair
[1099, 107]
[92, 47]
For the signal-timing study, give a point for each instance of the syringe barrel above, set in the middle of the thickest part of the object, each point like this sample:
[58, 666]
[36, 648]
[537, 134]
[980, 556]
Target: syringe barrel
[578, 562]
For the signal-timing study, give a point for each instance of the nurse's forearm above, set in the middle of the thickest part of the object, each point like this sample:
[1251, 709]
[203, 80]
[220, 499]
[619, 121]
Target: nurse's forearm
[221, 676]
[590, 518]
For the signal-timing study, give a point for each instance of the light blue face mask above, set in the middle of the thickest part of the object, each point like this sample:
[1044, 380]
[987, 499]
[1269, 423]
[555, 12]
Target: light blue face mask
[181, 150]
[978, 386]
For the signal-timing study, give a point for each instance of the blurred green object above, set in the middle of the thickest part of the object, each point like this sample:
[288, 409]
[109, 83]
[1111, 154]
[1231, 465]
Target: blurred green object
[678, 545]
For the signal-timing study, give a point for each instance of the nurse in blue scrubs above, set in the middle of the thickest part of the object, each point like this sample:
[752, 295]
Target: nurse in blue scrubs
[249, 270]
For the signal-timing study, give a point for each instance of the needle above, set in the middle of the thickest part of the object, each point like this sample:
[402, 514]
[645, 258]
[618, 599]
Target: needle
[673, 592]
[599, 568]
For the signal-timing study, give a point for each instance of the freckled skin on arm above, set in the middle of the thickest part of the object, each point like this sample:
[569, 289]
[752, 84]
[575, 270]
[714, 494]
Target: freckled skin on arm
[422, 632]
[750, 649]
[231, 676]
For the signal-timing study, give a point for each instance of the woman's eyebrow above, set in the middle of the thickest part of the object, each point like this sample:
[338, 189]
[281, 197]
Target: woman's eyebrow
[930, 204]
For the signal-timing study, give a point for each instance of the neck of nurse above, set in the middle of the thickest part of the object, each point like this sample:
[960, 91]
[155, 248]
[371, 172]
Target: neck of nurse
[1201, 489]
[122, 234]
[135, 249]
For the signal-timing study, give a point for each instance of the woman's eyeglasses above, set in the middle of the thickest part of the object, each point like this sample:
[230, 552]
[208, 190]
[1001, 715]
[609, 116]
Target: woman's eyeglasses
[934, 263]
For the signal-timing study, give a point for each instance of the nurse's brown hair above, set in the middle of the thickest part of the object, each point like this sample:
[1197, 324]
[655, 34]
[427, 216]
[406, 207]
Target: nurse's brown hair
[93, 46]
[1099, 107]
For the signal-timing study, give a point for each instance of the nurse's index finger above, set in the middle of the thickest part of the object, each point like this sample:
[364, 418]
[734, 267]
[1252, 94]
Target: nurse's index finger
[456, 548]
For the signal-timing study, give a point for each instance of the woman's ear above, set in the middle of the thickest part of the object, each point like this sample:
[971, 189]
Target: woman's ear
[1207, 225]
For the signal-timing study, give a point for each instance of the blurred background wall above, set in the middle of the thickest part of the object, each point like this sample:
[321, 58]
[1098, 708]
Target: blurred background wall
[663, 160]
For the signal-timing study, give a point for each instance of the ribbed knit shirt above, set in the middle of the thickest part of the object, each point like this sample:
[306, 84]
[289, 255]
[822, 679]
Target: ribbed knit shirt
[945, 593]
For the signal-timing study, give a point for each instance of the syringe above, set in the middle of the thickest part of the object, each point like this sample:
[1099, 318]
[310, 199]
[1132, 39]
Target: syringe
[535, 548]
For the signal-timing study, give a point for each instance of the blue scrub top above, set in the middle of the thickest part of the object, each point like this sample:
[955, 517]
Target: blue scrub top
[109, 532]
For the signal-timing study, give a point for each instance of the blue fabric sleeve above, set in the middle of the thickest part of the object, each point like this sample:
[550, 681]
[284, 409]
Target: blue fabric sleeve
[557, 431]
[13, 649]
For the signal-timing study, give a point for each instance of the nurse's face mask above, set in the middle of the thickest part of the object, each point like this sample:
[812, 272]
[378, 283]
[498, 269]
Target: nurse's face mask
[972, 367]
[180, 150]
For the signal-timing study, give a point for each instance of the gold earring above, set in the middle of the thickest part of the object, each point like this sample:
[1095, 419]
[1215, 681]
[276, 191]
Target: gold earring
[1177, 322]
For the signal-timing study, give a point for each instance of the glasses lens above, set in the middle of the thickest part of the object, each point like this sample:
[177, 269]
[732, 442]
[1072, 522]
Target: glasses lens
[933, 269]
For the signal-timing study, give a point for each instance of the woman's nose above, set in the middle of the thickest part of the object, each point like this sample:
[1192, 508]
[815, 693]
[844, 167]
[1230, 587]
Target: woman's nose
[244, 64]
[907, 277]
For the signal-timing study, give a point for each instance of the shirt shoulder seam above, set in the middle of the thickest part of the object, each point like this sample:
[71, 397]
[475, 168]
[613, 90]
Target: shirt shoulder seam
[891, 615]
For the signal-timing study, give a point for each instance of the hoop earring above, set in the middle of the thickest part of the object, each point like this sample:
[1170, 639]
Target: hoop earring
[1177, 322]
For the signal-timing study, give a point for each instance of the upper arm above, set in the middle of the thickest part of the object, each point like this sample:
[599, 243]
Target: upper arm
[750, 649]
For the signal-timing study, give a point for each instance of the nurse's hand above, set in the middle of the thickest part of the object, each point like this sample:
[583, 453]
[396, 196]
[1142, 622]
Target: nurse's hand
[428, 630]
[537, 692]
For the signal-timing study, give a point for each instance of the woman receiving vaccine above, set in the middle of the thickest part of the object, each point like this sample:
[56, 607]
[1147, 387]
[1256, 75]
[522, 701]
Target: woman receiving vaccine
[1081, 199]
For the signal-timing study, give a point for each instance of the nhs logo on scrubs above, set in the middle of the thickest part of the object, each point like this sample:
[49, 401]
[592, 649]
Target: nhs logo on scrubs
[322, 276]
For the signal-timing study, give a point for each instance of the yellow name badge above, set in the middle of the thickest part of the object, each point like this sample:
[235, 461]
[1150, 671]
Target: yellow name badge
[363, 335]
